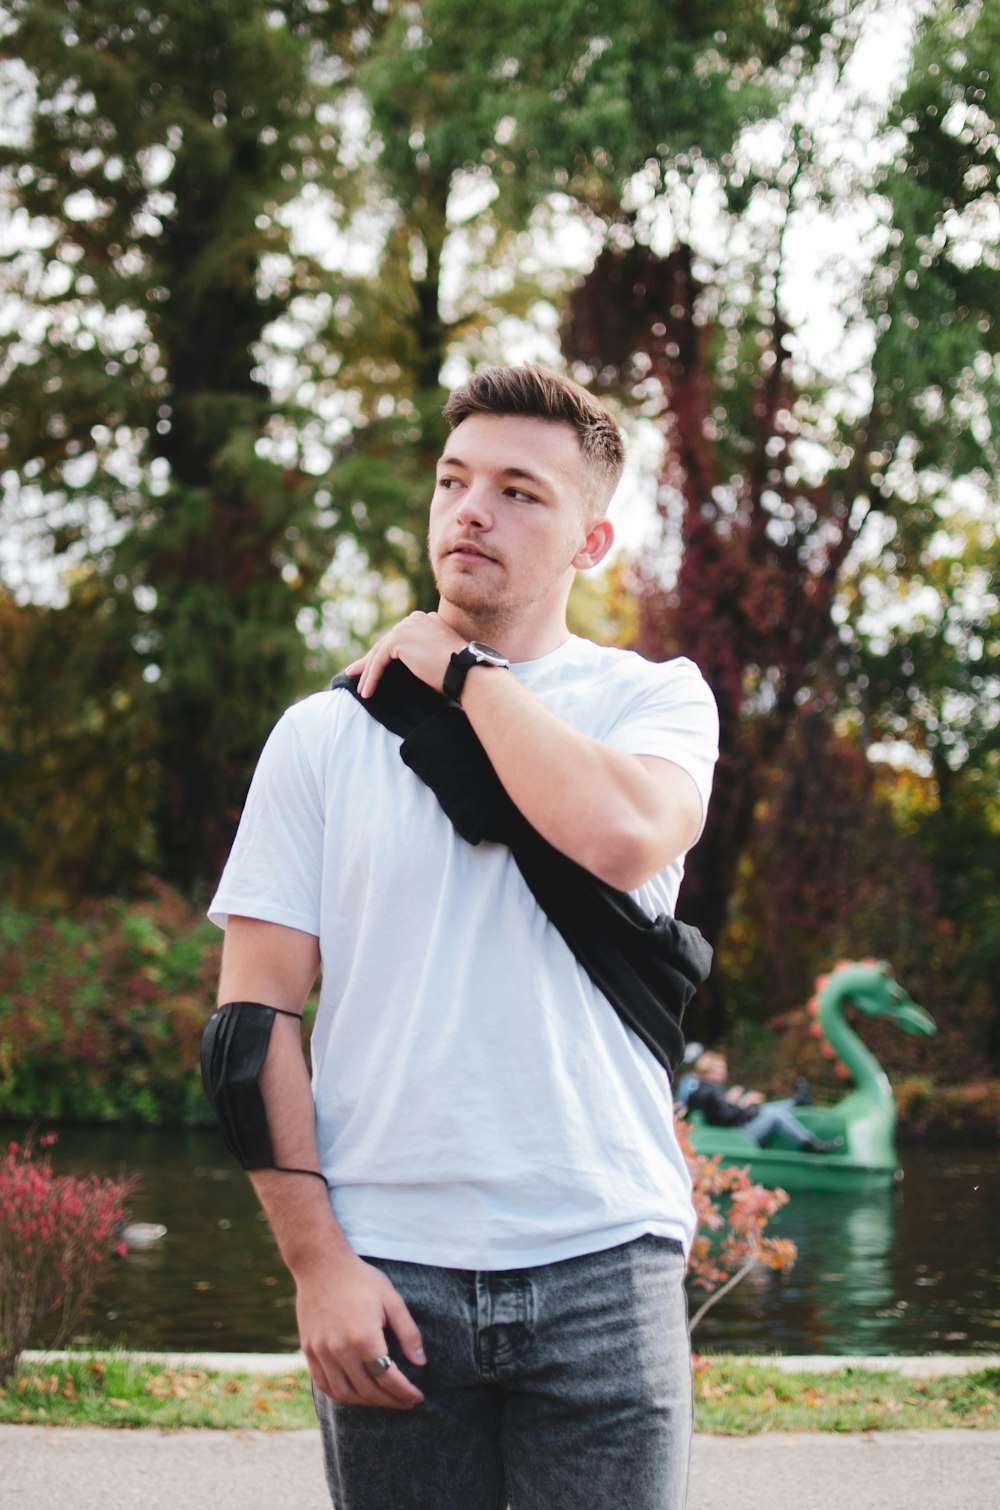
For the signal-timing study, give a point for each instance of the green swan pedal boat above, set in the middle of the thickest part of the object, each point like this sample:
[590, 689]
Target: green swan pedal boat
[865, 1118]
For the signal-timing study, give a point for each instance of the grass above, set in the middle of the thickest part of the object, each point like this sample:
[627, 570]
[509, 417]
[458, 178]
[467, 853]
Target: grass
[733, 1397]
[741, 1397]
[113, 1389]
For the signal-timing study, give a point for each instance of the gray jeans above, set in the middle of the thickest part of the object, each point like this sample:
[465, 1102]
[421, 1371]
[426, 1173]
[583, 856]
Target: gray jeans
[562, 1387]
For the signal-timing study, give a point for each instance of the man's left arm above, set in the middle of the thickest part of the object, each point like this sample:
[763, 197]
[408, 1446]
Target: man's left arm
[623, 817]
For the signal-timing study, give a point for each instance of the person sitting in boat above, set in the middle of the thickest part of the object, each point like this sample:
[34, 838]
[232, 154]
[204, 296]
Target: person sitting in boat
[724, 1105]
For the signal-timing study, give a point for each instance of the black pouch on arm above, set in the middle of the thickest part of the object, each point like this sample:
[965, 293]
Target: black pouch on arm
[234, 1047]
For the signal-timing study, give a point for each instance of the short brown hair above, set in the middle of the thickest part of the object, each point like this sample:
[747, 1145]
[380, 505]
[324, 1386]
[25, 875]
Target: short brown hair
[540, 393]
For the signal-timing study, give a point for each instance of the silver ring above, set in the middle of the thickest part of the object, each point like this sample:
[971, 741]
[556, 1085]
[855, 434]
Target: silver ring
[378, 1366]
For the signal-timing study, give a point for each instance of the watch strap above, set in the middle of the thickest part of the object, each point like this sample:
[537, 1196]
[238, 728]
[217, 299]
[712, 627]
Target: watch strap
[461, 664]
[459, 667]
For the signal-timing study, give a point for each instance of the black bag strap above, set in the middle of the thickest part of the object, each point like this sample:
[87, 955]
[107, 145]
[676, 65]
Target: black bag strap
[647, 969]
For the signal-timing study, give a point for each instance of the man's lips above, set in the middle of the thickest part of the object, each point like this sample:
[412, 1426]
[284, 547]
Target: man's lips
[468, 549]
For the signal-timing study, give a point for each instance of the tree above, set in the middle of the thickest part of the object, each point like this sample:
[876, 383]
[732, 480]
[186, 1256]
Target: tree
[150, 262]
[922, 646]
[153, 433]
[761, 543]
[77, 751]
[839, 866]
[920, 652]
[475, 128]
[769, 480]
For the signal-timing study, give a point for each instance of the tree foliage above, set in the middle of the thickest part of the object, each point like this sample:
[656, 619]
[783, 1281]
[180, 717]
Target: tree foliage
[155, 153]
[770, 481]
[933, 294]
[474, 127]
[762, 542]
[157, 289]
[77, 751]
[101, 1011]
[249, 244]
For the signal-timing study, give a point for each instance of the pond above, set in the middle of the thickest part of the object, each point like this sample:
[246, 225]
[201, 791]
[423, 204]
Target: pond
[914, 1269]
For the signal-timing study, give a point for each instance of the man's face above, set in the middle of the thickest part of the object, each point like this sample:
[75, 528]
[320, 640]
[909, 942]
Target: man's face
[715, 1069]
[508, 516]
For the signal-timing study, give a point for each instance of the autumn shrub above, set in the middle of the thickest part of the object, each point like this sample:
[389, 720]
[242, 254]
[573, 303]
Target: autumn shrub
[58, 1234]
[101, 1010]
[732, 1215]
[943, 1116]
[841, 866]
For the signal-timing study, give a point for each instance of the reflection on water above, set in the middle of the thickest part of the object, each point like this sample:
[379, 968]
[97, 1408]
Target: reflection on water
[840, 1295]
[913, 1269]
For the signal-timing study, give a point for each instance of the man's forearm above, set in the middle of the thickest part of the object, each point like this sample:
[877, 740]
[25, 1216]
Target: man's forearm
[297, 1205]
[607, 810]
[343, 1305]
[300, 1215]
[623, 817]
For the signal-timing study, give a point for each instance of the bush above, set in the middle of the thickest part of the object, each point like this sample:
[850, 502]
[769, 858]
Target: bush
[956, 1116]
[101, 1011]
[57, 1234]
[732, 1215]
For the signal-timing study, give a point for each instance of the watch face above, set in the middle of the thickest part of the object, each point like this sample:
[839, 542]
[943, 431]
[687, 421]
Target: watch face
[487, 653]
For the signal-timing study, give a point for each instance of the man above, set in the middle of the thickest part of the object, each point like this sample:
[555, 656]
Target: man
[725, 1105]
[490, 1292]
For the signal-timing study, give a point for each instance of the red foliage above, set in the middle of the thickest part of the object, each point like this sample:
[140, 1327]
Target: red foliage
[727, 1203]
[761, 544]
[57, 1234]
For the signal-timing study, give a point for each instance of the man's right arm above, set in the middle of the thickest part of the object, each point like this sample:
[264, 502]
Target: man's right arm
[344, 1306]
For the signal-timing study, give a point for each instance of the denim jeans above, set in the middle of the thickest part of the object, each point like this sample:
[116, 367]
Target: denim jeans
[562, 1387]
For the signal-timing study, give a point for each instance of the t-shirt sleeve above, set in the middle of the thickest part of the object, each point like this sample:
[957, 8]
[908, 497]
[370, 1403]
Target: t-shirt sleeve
[673, 714]
[274, 870]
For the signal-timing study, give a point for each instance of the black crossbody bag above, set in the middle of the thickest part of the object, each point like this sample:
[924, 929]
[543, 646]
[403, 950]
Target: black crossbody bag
[647, 969]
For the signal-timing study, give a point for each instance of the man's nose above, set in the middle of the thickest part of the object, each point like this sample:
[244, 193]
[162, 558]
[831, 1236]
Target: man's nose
[475, 508]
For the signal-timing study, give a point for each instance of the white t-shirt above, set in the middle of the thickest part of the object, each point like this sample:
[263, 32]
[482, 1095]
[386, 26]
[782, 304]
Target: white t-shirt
[480, 1104]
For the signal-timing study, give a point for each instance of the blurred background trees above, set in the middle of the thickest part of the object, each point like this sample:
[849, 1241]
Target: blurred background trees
[246, 250]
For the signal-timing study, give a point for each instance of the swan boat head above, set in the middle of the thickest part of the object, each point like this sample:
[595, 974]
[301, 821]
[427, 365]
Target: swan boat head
[870, 986]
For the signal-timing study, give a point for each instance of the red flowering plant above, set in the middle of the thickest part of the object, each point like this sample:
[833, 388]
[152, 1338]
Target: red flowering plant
[57, 1235]
[732, 1214]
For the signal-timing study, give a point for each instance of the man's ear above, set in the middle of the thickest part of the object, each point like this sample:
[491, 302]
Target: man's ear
[600, 537]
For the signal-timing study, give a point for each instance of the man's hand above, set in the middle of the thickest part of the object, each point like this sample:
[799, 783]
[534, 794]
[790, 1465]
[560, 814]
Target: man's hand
[422, 641]
[344, 1310]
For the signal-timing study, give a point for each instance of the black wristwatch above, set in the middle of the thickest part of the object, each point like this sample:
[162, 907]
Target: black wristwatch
[461, 663]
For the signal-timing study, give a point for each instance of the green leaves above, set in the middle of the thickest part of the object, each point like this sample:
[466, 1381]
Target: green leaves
[151, 173]
[101, 1013]
[935, 294]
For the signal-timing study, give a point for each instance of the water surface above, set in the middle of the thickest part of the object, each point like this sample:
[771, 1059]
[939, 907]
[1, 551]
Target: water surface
[914, 1269]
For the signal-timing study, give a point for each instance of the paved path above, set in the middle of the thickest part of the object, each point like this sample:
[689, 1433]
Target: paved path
[84, 1468]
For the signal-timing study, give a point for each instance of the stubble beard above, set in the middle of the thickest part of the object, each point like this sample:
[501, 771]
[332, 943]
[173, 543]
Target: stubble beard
[487, 617]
